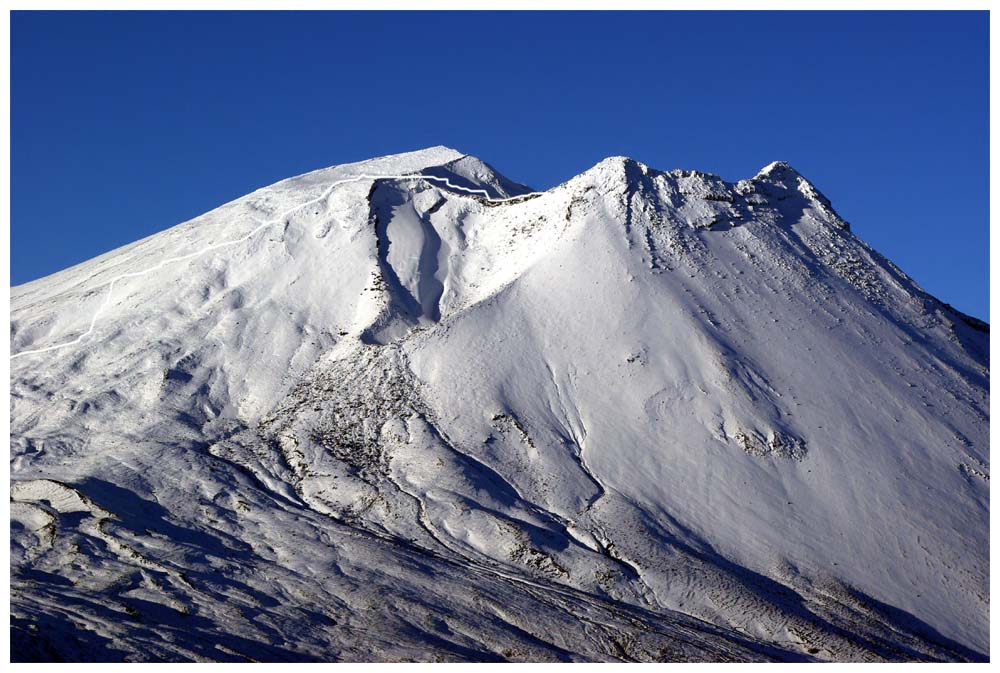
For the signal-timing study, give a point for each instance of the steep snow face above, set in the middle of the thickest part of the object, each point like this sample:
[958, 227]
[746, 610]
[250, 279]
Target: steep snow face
[247, 295]
[643, 415]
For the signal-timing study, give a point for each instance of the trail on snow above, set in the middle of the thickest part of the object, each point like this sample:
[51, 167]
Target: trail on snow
[326, 193]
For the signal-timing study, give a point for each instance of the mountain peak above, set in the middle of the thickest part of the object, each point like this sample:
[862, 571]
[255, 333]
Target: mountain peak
[403, 163]
[781, 173]
[777, 168]
[614, 170]
[435, 153]
[639, 399]
[779, 179]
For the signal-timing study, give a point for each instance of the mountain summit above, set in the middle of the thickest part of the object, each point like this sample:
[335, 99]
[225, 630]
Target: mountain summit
[407, 408]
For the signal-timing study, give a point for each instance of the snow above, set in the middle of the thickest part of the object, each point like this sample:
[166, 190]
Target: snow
[642, 415]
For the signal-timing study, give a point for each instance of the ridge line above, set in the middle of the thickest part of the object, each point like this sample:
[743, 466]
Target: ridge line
[326, 193]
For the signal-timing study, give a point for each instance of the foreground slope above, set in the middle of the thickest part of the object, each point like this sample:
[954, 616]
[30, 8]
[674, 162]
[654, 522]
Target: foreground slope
[642, 415]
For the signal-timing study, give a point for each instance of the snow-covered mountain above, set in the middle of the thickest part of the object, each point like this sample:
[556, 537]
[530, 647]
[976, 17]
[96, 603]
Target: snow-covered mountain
[642, 415]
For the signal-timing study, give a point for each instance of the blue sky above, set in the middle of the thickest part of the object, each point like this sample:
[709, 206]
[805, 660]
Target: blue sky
[124, 124]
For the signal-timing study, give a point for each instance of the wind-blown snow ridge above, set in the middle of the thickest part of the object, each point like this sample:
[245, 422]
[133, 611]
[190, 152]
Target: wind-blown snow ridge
[254, 232]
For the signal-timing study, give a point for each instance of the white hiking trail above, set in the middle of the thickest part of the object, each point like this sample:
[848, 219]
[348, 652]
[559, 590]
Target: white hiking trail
[326, 193]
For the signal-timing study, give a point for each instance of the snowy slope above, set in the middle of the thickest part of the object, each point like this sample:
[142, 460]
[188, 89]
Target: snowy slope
[642, 415]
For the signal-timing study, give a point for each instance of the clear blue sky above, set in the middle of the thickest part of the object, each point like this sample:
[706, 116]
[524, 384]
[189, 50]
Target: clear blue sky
[124, 124]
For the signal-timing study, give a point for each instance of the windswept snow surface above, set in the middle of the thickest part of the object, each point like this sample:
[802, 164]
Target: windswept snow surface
[643, 416]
